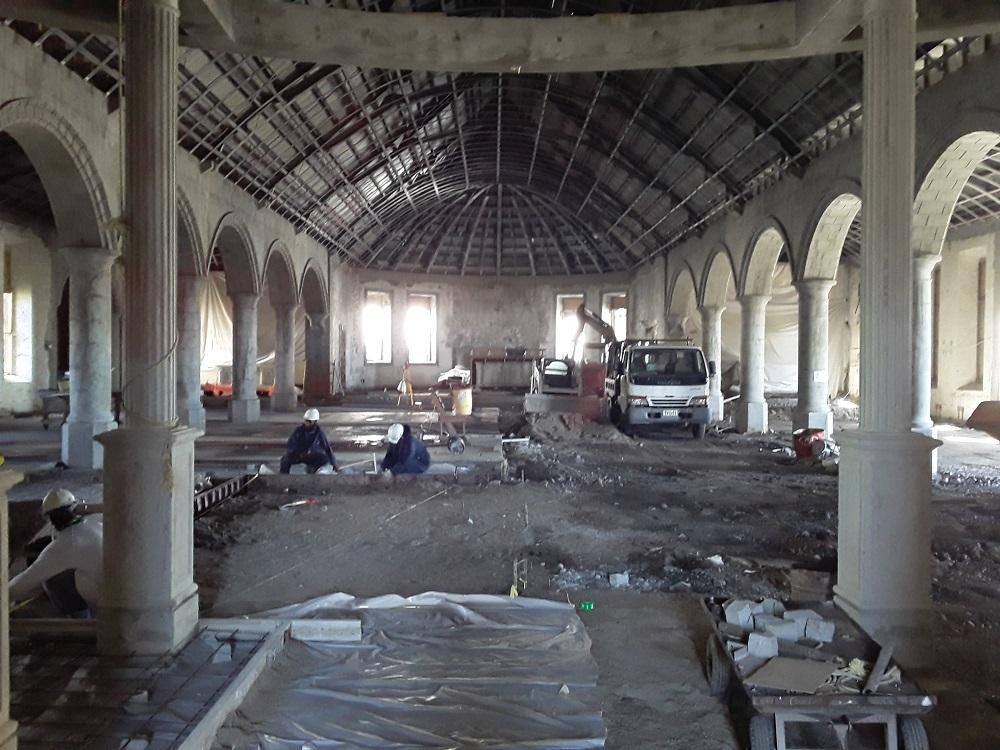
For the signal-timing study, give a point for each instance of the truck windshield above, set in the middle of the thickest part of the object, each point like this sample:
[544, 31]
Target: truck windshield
[667, 367]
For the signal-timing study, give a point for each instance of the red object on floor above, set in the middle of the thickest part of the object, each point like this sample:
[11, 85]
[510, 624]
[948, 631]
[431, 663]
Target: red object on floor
[802, 441]
[216, 389]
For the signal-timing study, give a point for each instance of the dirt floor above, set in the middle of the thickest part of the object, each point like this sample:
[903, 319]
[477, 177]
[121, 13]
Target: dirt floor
[729, 515]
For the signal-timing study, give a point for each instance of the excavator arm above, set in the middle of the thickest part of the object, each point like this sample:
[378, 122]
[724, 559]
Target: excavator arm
[587, 318]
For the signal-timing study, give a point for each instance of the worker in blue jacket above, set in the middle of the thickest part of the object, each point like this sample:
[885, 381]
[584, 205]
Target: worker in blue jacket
[406, 453]
[308, 445]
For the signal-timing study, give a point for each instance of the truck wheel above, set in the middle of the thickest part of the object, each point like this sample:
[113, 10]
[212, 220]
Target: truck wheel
[698, 430]
[615, 413]
[762, 733]
[912, 735]
[717, 669]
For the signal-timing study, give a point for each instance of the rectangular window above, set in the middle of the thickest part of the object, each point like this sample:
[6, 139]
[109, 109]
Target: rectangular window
[567, 324]
[421, 329]
[935, 322]
[9, 336]
[377, 327]
[614, 312]
[980, 319]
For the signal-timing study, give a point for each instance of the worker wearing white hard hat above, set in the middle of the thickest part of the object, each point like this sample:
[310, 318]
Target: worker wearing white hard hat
[406, 453]
[69, 569]
[308, 445]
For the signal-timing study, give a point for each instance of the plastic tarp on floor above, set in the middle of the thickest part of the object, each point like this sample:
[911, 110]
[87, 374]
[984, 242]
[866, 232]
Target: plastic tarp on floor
[431, 671]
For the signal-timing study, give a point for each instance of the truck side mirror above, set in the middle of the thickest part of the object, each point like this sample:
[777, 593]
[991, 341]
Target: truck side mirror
[712, 369]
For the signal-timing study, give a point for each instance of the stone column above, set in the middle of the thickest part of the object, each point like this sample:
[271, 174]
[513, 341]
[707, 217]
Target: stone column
[244, 406]
[189, 406]
[317, 377]
[89, 355]
[884, 564]
[993, 366]
[813, 408]
[284, 397]
[923, 341]
[751, 410]
[8, 728]
[711, 343]
[149, 603]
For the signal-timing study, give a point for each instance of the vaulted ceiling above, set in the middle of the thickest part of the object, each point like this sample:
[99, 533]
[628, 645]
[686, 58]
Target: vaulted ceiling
[507, 174]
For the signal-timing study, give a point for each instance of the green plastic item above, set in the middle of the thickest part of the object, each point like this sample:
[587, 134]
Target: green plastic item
[586, 605]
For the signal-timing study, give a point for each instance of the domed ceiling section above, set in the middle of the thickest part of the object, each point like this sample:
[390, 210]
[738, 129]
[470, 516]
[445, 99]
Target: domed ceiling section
[504, 174]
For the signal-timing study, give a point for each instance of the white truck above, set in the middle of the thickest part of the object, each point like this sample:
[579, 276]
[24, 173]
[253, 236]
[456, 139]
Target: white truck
[658, 383]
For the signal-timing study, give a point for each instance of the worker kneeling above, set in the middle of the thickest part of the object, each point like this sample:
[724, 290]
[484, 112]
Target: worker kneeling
[70, 567]
[406, 453]
[308, 445]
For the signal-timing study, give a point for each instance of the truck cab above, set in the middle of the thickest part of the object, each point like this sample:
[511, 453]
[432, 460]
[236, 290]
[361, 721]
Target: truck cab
[656, 383]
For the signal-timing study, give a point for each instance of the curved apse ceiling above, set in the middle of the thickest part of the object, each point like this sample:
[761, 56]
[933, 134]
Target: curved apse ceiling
[487, 174]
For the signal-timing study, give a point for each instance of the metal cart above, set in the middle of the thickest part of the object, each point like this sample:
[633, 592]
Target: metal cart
[897, 708]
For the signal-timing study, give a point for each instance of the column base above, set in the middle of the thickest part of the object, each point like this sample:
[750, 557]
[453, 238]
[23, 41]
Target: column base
[931, 432]
[244, 410]
[193, 417]
[884, 532]
[751, 416]
[813, 420]
[716, 407]
[284, 401]
[8, 734]
[79, 449]
[152, 608]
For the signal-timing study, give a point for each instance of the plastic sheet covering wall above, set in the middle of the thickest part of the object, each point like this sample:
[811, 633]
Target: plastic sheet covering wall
[217, 329]
[781, 353]
[431, 671]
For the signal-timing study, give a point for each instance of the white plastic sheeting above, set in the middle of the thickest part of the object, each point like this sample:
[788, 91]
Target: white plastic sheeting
[781, 353]
[432, 671]
[217, 329]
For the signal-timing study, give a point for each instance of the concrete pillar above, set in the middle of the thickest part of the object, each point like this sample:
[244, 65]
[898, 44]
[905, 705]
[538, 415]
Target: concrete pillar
[711, 344]
[89, 355]
[923, 341]
[284, 397]
[8, 728]
[813, 408]
[189, 406]
[751, 409]
[993, 365]
[317, 377]
[884, 563]
[244, 406]
[149, 603]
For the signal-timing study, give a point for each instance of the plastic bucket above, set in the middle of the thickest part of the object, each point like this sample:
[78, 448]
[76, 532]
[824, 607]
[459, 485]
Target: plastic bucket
[802, 441]
[461, 397]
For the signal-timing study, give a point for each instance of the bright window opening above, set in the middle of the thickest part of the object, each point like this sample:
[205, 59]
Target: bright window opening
[614, 312]
[9, 342]
[377, 327]
[567, 324]
[421, 329]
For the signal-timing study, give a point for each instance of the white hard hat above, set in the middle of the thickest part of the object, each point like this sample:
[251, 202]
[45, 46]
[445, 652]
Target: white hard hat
[56, 499]
[395, 433]
[312, 415]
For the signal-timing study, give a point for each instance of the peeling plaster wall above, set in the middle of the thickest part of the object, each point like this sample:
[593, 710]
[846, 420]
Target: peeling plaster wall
[957, 392]
[470, 313]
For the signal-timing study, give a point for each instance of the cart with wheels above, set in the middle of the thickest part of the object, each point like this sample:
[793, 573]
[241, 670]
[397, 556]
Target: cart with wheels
[893, 712]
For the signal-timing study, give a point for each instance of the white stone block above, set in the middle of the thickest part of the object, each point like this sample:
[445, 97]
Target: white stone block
[618, 580]
[786, 630]
[739, 612]
[762, 645]
[802, 614]
[820, 630]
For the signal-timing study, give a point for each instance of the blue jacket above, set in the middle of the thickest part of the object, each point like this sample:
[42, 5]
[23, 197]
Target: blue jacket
[408, 456]
[311, 441]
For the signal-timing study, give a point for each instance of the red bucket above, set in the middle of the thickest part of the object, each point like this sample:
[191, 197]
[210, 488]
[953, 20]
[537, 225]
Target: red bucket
[802, 441]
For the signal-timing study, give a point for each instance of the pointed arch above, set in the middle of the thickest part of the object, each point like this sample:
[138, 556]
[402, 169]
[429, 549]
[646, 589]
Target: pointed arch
[717, 278]
[826, 234]
[313, 291]
[768, 245]
[279, 276]
[191, 257]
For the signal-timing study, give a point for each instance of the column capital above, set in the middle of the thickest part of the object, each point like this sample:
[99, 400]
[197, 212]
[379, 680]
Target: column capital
[317, 318]
[924, 265]
[82, 258]
[753, 300]
[814, 287]
[712, 311]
